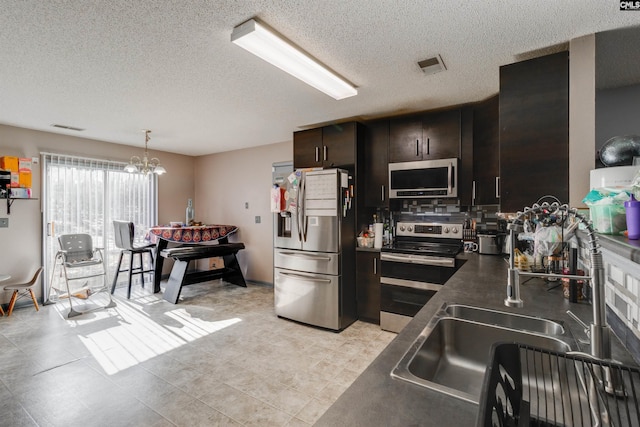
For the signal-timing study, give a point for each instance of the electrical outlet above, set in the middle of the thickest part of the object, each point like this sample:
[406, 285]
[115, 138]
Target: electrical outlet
[246, 205]
[4, 222]
[257, 220]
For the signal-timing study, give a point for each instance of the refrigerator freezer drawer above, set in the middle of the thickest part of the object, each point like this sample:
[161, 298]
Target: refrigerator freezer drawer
[312, 262]
[308, 298]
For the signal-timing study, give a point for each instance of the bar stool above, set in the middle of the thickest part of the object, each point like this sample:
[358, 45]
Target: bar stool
[124, 232]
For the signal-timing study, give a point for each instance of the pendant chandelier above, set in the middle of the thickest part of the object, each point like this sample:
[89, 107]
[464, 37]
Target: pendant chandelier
[145, 165]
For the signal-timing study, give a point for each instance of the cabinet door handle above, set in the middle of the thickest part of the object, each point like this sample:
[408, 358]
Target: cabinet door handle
[375, 266]
[428, 140]
[417, 147]
[497, 187]
[382, 195]
[325, 151]
[473, 193]
[317, 154]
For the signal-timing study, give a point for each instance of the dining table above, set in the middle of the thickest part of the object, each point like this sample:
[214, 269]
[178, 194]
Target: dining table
[3, 277]
[163, 235]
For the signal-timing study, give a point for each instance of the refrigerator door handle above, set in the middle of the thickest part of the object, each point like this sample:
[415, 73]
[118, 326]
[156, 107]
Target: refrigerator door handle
[299, 199]
[305, 256]
[304, 213]
[310, 279]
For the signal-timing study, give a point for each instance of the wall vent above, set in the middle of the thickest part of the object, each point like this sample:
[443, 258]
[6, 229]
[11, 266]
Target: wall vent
[67, 127]
[432, 65]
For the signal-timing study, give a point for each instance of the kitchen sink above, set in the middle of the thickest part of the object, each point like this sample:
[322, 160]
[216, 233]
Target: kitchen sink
[505, 319]
[452, 353]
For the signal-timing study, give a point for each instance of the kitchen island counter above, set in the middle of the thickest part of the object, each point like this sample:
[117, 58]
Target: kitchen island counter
[376, 399]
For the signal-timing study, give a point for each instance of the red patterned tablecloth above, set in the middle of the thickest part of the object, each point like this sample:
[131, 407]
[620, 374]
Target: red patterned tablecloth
[199, 234]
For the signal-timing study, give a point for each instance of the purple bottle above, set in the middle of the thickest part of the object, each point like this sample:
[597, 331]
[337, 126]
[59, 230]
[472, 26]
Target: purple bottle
[632, 208]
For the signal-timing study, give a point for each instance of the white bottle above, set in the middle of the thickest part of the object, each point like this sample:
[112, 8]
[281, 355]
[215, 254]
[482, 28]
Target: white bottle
[190, 213]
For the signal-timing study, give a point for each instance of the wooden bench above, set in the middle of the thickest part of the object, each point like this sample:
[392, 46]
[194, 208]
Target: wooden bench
[183, 255]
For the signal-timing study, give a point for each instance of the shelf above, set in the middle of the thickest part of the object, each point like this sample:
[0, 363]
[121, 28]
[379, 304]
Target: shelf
[10, 201]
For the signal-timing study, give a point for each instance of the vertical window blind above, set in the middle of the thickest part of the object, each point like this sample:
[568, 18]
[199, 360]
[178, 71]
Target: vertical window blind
[84, 195]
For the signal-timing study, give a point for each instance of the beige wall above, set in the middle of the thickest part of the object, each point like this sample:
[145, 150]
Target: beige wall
[21, 243]
[582, 116]
[224, 183]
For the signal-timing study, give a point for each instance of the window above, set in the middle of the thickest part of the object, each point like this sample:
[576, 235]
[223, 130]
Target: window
[82, 195]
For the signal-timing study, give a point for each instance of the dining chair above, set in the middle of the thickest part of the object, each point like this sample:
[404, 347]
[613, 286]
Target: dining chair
[124, 233]
[80, 260]
[21, 290]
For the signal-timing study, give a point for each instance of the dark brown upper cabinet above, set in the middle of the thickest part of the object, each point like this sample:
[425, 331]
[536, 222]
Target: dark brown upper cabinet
[307, 148]
[405, 139]
[425, 137]
[376, 164]
[486, 152]
[441, 135]
[339, 145]
[534, 131]
[330, 146]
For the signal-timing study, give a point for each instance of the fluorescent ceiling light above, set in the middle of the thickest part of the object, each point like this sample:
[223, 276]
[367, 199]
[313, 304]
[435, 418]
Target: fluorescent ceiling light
[266, 44]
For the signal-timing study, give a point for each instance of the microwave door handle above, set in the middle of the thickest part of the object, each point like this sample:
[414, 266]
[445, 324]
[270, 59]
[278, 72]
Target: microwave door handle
[450, 171]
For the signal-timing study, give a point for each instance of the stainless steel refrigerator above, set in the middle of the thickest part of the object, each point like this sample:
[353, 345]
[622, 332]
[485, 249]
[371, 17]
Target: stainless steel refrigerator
[314, 249]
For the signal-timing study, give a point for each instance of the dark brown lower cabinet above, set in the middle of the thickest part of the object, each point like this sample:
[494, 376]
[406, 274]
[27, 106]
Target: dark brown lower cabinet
[368, 285]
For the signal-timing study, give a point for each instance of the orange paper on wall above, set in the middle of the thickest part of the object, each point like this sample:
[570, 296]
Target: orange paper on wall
[24, 179]
[9, 163]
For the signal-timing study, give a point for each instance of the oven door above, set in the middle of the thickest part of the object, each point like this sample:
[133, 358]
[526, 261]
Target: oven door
[417, 268]
[407, 283]
[404, 298]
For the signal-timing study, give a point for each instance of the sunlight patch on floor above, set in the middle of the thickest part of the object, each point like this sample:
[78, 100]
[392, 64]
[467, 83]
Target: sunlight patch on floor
[136, 337]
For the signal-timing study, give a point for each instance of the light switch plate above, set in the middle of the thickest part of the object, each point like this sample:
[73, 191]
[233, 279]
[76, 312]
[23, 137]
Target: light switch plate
[4, 222]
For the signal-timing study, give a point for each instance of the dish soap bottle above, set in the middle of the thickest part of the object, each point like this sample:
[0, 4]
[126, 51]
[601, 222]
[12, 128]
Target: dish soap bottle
[190, 213]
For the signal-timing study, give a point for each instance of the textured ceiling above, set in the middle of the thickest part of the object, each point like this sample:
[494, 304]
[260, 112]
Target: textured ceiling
[116, 67]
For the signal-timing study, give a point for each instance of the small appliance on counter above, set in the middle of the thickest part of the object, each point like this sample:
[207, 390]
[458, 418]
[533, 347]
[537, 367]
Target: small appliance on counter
[490, 242]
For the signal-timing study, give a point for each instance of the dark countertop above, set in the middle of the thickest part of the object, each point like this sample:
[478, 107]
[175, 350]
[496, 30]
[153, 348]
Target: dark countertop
[624, 247]
[376, 399]
[364, 249]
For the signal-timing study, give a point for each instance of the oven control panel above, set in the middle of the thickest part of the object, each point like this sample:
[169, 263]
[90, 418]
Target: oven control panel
[429, 229]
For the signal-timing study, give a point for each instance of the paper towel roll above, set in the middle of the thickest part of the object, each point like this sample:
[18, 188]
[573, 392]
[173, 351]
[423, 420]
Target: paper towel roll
[377, 232]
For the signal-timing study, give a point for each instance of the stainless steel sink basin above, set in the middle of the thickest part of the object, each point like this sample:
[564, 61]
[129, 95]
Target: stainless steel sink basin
[505, 319]
[451, 354]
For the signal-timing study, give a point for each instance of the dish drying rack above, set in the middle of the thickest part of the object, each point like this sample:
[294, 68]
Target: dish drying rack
[530, 386]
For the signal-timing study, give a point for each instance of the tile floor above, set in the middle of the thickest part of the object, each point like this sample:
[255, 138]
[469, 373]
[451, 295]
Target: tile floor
[219, 357]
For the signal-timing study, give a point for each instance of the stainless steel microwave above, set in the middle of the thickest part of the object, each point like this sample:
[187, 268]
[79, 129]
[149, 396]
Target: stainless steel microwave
[424, 179]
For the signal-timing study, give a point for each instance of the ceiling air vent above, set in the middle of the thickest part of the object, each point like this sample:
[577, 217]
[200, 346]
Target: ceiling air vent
[432, 65]
[68, 127]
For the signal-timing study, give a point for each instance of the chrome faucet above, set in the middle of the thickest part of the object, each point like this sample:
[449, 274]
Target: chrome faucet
[599, 331]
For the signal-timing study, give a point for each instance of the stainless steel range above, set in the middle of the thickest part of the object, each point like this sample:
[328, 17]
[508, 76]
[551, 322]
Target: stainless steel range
[420, 260]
